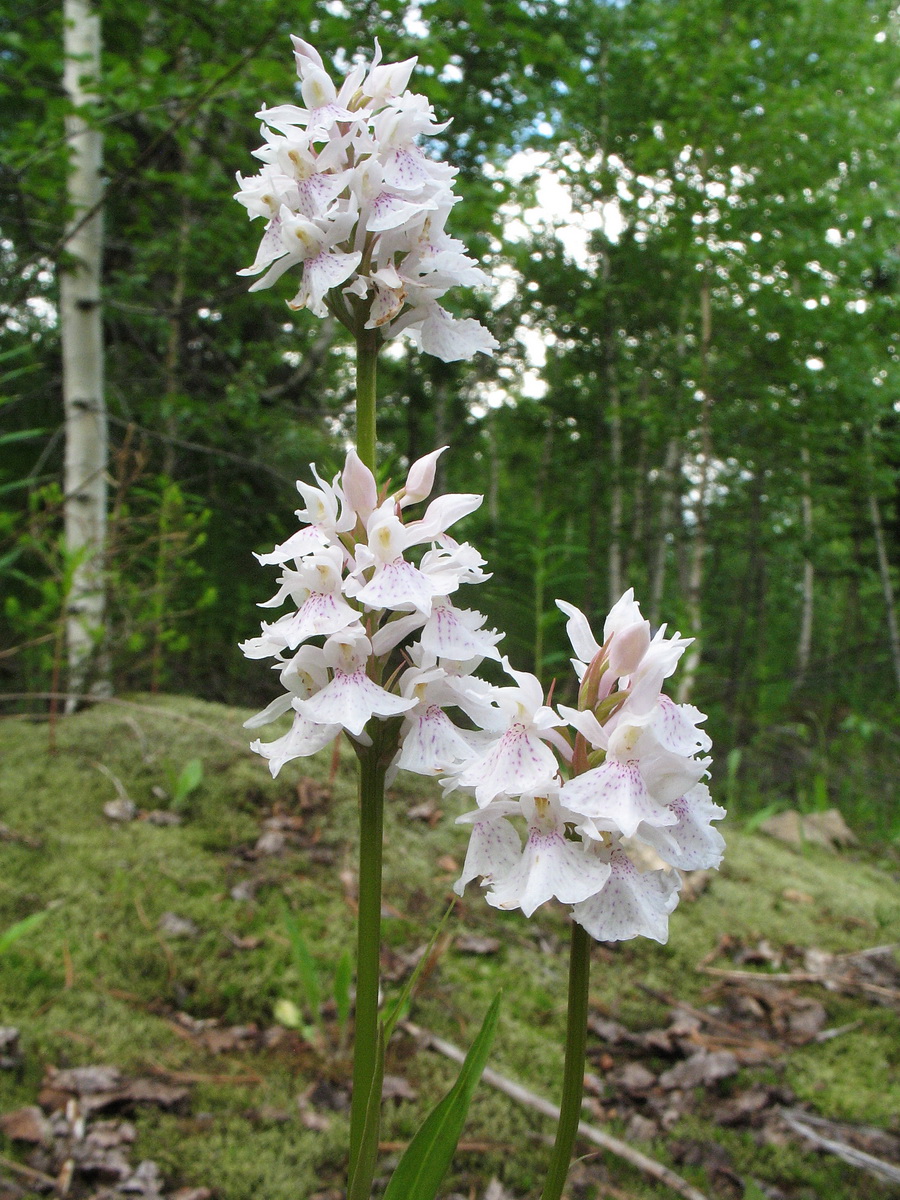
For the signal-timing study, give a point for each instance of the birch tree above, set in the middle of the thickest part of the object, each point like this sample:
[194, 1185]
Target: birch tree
[82, 354]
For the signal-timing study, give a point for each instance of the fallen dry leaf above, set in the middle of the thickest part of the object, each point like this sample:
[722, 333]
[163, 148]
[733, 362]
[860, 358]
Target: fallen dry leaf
[27, 1125]
[470, 943]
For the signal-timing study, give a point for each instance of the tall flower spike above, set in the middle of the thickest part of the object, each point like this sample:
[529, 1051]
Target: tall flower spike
[350, 198]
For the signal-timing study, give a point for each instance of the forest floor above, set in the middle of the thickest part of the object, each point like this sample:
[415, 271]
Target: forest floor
[140, 1055]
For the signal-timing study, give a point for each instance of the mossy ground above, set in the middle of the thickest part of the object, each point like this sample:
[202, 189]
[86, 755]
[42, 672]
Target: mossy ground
[98, 982]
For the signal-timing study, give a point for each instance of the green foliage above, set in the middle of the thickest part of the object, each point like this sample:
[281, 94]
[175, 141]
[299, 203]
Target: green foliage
[737, 167]
[125, 987]
[20, 929]
[426, 1159]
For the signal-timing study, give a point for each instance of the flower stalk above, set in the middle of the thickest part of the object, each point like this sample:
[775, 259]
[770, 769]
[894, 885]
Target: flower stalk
[368, 944]
[573, 1071]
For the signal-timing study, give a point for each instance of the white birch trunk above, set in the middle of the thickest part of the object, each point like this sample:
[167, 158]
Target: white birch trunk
[82, 347]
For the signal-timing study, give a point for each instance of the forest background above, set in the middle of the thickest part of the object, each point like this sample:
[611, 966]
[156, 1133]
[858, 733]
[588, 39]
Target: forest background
[689, 211]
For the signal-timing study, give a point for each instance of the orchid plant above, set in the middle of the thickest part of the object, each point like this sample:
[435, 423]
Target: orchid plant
[375, 642]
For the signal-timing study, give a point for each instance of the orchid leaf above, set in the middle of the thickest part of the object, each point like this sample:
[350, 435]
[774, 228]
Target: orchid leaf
[427, 1157]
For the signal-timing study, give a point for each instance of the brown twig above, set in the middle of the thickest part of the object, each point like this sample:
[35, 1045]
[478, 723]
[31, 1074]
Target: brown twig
[822, 978]
[29, 1173]
[649, 1166]
[802, 1123]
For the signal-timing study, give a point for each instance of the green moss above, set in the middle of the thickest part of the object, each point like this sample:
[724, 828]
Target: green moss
[97, 980]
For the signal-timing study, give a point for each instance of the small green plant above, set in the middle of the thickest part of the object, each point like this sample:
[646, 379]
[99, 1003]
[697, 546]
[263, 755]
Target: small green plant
[187, 781]
[307, 1015]
[20, 929]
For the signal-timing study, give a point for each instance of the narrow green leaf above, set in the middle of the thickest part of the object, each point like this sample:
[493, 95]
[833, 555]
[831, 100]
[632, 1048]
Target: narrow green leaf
[188, 781]
[306, 968]
[400, 1005]
[362, 1172]
[427, 1157]
[14, 932]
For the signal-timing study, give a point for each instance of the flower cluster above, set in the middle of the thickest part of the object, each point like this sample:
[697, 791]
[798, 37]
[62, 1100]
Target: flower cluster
[631, 773]
[373, 633]
[349, 196]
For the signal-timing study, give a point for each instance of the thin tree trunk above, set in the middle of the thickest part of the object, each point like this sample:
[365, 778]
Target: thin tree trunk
[615, 463]
[82, 349]
[884, 568]
[664, 527]
[804, 641]
[698, 545]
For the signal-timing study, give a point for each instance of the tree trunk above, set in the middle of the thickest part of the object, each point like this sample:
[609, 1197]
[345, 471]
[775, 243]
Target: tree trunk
[694, 599]
[667, 495]
[884, 567]
[82, 348]
[804, 641]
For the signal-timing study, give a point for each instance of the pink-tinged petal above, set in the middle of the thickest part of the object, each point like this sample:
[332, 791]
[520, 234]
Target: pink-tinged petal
[302, 739]
[433, 745]
[420, 479]
[398, 585]
[628, 647]
[626, 611]
[669, 776]
[692, 843]
[519, 762]
[351, 701]
[630, 904]
[441, 514]
[320, 274]
[393, 632]
[613, 797]
[549, 866]
[494, 849]
[322, 614]
[675, 726]
[359, 486]
[587, 724]
[457, 634]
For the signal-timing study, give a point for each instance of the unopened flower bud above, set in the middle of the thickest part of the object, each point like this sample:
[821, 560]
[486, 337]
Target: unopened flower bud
[358, 484]
[420, 480]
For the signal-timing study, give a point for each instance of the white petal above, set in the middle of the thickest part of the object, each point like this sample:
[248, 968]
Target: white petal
[452, 340]
[433, 745]
[692, 843]
[578, 631]
[398, 585]
[351, 701]
[302, 739]
[518, 762]
[549, 866]
[494, 848]
[630, 904]
[614, 797]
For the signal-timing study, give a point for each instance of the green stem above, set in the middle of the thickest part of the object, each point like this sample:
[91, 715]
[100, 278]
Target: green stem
[365, 1048]
[573, 1074]
[366, 363]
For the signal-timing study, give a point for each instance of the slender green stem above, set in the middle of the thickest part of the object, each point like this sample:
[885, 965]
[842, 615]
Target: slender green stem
[573, 1074]
[365, 1048]
[366, 364]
